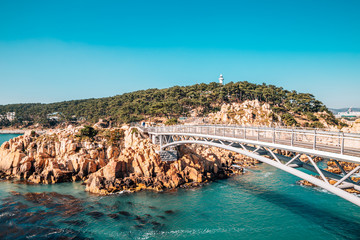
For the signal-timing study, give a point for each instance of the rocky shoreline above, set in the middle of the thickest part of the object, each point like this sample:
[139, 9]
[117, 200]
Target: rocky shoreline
[7, 131]
[113, 160]
[334, 168]
[120, 159]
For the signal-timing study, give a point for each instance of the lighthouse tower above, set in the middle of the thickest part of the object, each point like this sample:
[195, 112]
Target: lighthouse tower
[221, 79]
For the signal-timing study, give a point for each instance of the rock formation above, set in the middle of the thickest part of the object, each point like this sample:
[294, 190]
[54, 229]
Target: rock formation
[334, 168]
[245, 113]
[140, 167]
[113, 160]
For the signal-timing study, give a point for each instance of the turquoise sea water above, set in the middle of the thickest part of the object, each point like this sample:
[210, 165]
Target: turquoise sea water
[265, 203]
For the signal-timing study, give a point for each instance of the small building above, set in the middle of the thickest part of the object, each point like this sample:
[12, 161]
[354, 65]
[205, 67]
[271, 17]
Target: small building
[54, 116]
[10, 116]
[348, 114]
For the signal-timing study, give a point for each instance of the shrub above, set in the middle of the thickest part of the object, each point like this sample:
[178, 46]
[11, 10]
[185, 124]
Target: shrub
[171, 121]
[114, 136]
[288, 119]
[88, 131]
[134, 130]
[311, 117]
[278, 109]
[273, 117]
[317, 125]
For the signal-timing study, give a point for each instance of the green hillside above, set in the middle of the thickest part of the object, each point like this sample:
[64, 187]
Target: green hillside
[170, 102]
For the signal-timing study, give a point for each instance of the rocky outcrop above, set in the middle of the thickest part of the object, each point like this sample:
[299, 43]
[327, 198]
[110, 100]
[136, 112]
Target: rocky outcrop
[57, 156]
[248, 112]
[112, 162]
[139, 167]
[334, 168]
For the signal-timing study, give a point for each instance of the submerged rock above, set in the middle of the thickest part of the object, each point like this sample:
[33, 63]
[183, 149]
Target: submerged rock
[114, 215]
[96, 215]
[125, 213]
[169, 212]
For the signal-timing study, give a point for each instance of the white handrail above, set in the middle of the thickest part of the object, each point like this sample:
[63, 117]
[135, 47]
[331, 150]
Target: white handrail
[339, 140]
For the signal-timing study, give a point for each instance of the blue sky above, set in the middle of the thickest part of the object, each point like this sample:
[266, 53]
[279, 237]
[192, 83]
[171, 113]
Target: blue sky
[62, 50]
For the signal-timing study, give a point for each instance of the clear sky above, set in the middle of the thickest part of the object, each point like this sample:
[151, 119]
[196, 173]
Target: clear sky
[62, 50]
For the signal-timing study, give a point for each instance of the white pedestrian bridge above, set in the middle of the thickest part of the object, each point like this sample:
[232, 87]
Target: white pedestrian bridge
[258, 142]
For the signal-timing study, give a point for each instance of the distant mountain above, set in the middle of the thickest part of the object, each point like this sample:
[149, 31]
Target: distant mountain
[337, 110]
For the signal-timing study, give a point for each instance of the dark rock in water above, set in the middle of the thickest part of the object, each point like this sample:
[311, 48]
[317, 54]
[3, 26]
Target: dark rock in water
[114, 215]
[169, 212]
[157, 226]
[71, 212]
[116, 205]
[15, 193]
[95, 215]
[130, 203]
[139, 226]
[51, 199]
[125, 213]
[20, 206]
[79, 223]
[152, 207]
[65, 204]
[140, 219]
[35, 197]
[162, 217]
[62, 196]
[155, 223]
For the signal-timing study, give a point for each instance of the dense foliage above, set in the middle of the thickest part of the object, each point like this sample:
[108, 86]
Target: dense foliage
[170, 102]
[88, 131]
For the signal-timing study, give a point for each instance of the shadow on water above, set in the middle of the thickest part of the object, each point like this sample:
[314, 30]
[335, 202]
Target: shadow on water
[338, 225]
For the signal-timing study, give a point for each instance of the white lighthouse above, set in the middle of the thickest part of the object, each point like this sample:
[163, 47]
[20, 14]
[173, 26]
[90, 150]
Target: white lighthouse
[221, 79]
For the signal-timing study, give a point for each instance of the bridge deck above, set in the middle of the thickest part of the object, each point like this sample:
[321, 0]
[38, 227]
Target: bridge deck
[256, 142]
[327, 141]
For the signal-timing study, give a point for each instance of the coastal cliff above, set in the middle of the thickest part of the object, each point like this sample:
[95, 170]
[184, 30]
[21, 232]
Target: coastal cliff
[111, 161]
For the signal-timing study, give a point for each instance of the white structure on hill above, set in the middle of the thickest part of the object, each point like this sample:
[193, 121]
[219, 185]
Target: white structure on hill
[349, 113]
[9, 116]
[221, 79]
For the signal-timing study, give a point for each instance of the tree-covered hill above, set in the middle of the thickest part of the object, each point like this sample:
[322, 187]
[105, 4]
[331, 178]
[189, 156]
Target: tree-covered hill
[171, 102]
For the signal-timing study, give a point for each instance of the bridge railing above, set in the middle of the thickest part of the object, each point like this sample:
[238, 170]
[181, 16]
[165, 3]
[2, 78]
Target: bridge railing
[337, 142]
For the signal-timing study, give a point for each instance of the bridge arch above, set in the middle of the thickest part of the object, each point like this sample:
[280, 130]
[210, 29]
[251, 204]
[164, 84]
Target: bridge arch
[323, 184]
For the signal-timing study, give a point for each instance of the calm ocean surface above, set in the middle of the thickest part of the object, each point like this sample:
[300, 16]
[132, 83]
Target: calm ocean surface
[265, 203]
